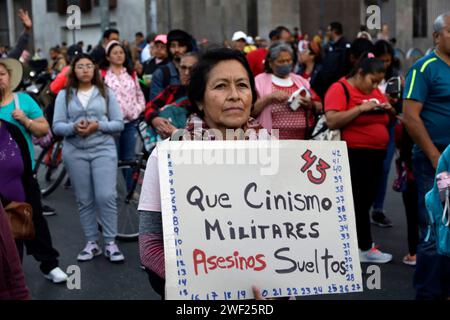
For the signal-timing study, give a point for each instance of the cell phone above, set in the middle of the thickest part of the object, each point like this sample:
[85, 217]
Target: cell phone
[378, 110]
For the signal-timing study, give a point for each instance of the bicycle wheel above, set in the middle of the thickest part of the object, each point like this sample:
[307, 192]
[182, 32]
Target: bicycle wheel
[127, 203]
[49, 170]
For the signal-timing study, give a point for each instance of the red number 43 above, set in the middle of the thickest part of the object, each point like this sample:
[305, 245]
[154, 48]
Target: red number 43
[321, 167]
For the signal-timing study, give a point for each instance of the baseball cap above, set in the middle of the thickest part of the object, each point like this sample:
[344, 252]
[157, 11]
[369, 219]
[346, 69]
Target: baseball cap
[238, 36]
[161, 38]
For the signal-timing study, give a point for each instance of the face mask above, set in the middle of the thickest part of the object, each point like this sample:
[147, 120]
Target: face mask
[283, 70]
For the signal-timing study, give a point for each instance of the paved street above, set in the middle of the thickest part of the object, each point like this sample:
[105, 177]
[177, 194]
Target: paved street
[102, 280]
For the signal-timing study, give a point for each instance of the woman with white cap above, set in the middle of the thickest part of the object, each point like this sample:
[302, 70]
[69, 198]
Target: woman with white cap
[22, 118]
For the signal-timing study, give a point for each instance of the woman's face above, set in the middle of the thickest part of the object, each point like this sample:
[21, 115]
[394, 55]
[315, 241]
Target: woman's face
[84, 70]
[228, 96]
[187, 63]
[4, 78]
[117, 56]
[369, 82]
[387, 60]
[305, 56]
[283, 60]
[160, 50]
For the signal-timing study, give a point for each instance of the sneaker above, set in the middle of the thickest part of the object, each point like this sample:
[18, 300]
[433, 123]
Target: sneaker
[374, 256]
[410, 260]
[48, 211]
[56, 276]
[113, 253]
[380, 219]
[90, 251]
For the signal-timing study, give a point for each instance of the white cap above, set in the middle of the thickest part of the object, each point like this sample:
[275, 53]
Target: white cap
[239, 35]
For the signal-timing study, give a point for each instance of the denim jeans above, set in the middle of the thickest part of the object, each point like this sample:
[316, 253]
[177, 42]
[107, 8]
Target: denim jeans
[381, 191]
[432, 275]
[126, 148]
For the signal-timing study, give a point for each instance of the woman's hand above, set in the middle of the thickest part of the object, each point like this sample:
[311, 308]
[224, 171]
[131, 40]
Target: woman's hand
[20, 116]
[86, 128]
[369, 106]
[163, 127]
[306, 102]
[25, 18]
[257, 293]
[279, 96]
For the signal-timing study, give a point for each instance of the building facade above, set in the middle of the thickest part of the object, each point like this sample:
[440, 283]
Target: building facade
[410, 21]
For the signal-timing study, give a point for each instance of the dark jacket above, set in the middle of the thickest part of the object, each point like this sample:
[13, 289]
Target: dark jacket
[150, 66]
[21, 45]
[315, 73]
[164, 76]
[334, 66]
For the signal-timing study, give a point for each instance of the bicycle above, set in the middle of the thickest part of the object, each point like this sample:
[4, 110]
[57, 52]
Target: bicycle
[49, 169]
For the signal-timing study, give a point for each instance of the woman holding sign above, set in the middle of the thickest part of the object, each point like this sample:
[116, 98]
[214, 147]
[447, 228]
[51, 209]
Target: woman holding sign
[222, 92]
[357, 107]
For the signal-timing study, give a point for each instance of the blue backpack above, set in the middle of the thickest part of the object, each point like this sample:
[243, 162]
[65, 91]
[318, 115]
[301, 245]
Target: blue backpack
[439, 214]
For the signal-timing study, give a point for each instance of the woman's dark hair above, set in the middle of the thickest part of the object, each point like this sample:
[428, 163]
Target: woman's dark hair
[383, 47]
[318, 56]
[106, 64]
[368, 64]
[73, 82]
[200, 75]
[359, 47]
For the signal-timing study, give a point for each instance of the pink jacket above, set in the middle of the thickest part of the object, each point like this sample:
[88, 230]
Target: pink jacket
[264, 87]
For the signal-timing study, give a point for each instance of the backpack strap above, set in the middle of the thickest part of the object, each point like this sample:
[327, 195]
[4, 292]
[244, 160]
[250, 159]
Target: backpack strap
[347, 93]
[16, 102]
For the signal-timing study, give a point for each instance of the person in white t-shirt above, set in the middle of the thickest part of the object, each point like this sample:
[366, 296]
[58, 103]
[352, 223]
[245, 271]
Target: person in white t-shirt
[88, 116]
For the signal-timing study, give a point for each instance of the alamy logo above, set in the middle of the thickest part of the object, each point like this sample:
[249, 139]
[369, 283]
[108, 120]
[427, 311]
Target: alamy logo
[374, 277]
[373, 21]
[74, 278]
[73, 21]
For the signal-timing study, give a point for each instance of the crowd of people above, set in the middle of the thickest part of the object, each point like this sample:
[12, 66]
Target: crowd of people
[174, 82]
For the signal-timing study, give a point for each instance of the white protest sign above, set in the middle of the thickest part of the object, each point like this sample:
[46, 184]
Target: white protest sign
[227, 226]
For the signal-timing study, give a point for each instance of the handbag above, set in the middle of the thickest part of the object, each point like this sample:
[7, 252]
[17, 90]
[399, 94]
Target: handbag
[322, 133]
[43, 142]
[20, 216]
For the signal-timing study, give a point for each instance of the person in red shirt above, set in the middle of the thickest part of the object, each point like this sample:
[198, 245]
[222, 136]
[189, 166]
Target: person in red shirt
[356, 106]
[256, 58]
[60, 81]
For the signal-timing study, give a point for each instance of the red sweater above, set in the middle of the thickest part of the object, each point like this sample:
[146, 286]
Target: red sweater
[367, 131]
[12, 280]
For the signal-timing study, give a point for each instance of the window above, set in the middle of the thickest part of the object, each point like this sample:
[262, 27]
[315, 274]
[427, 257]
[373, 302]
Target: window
[420, 28]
